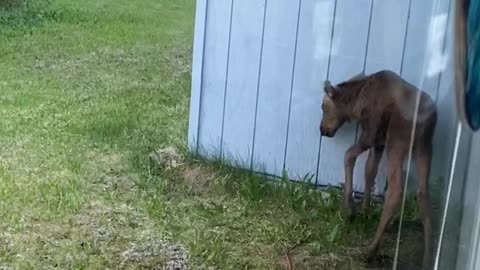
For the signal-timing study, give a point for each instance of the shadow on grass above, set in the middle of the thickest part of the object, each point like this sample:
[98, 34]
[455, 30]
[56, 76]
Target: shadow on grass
[245, 219]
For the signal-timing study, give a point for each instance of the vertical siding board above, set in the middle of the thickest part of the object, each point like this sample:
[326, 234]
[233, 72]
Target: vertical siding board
[447, 114]
[275, 85]
[385, 51]
[423, 65]
[214, 76]
[257, 80]
[440, 59]
[242, 80]
[197, 74]
[416, 44]
[439, 62]
[424, 34]
[387, 35]
[465, 167]
[347, 60]
[469, 229]
[292, 82]
[314, 37]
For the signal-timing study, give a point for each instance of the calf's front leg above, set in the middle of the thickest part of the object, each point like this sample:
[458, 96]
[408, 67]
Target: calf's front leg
[350, 158]
[371, 170]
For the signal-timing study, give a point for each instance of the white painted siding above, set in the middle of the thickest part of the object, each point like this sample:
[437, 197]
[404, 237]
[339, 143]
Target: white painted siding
[259, 67]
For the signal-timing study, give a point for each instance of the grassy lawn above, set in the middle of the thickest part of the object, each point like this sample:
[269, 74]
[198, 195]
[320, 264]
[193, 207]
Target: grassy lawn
[87, 91]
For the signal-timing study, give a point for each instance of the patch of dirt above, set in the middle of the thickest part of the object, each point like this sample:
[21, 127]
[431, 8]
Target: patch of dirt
[301, 258]
[157, 253]
[165, 158]
[351, 258]
[179, 59]
[73, 64]
[114, 176]
[111, 163]
[198, 179]
[118, 183]
[100, 236]
[145, 249]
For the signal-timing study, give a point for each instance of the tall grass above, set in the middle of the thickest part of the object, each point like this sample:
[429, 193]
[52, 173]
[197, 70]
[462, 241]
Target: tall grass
[24, 12]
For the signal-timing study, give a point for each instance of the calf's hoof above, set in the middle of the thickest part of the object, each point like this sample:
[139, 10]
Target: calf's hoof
[364, 211]
[426, 263]
[370, 252]
[348, 212]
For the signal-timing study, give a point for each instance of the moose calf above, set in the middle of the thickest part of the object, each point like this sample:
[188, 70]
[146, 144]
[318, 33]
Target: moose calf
[384, 105]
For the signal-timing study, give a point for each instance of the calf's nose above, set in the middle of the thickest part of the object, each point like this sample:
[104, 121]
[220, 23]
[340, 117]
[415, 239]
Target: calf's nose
[322, 131]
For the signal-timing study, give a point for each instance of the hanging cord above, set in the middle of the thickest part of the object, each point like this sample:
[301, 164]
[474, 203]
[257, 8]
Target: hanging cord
[466, 35]
[410, 150]
[409, 160]
[435, 6]
[449, 192]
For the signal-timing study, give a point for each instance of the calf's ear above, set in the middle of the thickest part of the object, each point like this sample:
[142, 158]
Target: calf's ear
[329, 89]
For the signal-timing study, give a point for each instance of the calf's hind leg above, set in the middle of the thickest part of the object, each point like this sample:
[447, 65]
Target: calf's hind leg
[393, 196]
[423, 158]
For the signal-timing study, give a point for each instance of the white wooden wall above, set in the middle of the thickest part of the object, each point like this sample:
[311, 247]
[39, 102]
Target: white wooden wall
[259, 67]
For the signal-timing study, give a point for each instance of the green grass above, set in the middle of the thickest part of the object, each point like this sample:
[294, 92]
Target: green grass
[87, 90]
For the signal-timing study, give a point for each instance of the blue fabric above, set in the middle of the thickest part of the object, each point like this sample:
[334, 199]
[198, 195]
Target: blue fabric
[472, 98]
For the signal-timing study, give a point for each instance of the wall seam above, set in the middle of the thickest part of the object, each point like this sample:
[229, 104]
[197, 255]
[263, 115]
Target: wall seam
[258, 84]
[292, 85]
[202, 82]
[444, 48]
[226, 79]
[332, 33]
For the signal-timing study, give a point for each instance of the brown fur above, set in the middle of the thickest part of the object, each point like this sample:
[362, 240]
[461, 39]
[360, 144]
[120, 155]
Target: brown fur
[384, 105]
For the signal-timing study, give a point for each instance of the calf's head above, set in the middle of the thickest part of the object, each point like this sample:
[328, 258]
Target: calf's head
[334, 111]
